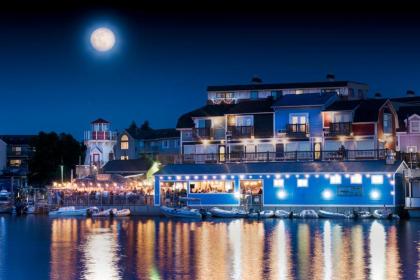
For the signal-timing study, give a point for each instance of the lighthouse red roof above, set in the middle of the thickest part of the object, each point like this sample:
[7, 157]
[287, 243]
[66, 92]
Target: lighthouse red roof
[100, 121]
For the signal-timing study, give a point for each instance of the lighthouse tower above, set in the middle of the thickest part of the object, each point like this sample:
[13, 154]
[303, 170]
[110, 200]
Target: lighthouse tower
[99, 141]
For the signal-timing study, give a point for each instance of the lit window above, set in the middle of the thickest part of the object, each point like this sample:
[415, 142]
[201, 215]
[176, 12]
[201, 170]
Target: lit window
[15, 162]
[335, 179]
[212, 186]
[279, 183]
[377, 179]
[356, 179]
[124, 142]
[302, 183]
[124, 157]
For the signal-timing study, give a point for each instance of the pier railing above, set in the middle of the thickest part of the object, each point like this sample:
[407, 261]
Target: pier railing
[284, 156]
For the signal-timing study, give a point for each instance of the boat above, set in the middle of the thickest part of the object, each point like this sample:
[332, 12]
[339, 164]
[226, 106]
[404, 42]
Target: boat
[68, 211]
[121, 213]
[282, 214]
[6, 202]
[308, 214]
[363, 215]
[332, 215]
[222, 213]
[265, 214]
[103, 213]
[171, 212]
[384, 214]
[30, 209]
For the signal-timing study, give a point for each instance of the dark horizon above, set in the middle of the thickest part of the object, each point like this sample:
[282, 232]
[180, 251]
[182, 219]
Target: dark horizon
[52, 80]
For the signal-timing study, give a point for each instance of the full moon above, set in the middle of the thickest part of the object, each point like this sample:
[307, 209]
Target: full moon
[102, 39]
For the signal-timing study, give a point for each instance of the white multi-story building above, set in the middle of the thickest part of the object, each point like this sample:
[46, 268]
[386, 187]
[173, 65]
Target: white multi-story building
[100, 142]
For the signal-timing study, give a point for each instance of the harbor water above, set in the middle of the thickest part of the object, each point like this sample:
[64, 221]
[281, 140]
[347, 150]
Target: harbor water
[39, 247]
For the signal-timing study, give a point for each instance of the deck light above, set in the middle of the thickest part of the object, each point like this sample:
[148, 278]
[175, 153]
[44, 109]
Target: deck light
[250, 177]
[214, 177]
[307, 175]
[389, 175]
[297, 175]
[392, 182]
[196, 177]
[241, 176]
[169, 177]
[278, 176]
[205, 142]
[178, 177]
[392, 193]
[287, 176]
[232, 177]
[327, 194]
[316, 175]
[268, 176]
[281, 194]
[161, 177]
[347, 175]
[327, 176]
[375, 194]
[205, 177]
[187, 177]
[223, 177]
[368, 175]
[260, 176]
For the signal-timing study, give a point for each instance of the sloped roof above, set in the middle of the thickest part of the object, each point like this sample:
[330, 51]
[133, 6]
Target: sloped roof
[281, 167]
[307, 99]
[405, 112]
[252, 106]
[210, 110]
[100, 121]
[343, 105]
[131, 166]
[154, 133]
[17, 139]
[407, 99]
[324, 84]
[366, 110]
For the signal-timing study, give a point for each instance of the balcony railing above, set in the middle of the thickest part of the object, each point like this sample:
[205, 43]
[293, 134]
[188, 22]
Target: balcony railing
[297, 130]
[100, 135]
[202, 133]
[339, 128]
[240, 131]
[285, 156]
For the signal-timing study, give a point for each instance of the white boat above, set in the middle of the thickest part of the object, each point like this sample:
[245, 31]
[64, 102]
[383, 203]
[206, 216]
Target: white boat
[6, 202]
[180, 213]
[104, 213]
[308, 214]
[384, 214]
[332, 215]
[222, 213]
[281, 214]
[68, 211]
[121, 213]
[363, 215]
[265, 214]
[30, 209]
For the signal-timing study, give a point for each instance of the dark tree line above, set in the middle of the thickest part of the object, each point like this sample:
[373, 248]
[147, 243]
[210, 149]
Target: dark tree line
[51, 151]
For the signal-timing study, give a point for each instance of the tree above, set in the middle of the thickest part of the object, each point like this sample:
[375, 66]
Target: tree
[145, 126]
[133, 127]
[51, 151]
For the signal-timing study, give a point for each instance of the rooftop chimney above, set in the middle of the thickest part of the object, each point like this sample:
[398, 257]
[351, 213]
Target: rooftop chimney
[330, 77]
[411, 93]
[378, 95]
[256, 80]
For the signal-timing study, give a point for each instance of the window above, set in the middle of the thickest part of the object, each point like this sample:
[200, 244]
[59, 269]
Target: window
[335, 179]
[298, 118]
[165, 144]
[276, 94]
[411, 149]
[302, 183]
[244, 121]
[124, 142]
[415, 126]
[377, 179]
[15, 162]
[279, 183]
[387, 123]
[176, 143]
[17, 149]
[215, 186]
[356, 179]
[124, 157]
[203, 123]
[254, 94]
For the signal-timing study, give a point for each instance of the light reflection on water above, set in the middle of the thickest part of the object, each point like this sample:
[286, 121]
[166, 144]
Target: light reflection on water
[220, 249]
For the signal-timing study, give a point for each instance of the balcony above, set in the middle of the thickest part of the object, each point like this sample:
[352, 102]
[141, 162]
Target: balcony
[348, 155]
[339, 129]
[238, 132]
[297, 130]
[100, 135]
[202, 133]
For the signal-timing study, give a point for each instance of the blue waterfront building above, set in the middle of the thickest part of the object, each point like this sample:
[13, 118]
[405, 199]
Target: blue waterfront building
[286, 184]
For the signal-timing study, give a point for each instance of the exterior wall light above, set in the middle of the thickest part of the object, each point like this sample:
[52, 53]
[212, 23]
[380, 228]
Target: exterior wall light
[282, 194]
[327, 194]
[375, 194]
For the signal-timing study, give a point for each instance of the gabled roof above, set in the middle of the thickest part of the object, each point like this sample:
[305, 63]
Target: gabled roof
[99, 121]
[17, 139]
[281, 167]
[404, 112]
[154, 133]
[131, 166]
[210, 110]
[307, 99]
[415, 100]
[252, 106]
[278, 86]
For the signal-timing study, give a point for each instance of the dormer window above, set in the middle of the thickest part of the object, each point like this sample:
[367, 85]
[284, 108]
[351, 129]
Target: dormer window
[415, 126]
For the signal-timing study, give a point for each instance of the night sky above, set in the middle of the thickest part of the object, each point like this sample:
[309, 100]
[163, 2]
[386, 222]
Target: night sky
[52, 79]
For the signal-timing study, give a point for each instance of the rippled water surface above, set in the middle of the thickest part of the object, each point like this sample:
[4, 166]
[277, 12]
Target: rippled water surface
[42, 248]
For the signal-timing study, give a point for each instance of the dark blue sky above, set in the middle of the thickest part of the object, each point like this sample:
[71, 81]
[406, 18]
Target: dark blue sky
[51, 79]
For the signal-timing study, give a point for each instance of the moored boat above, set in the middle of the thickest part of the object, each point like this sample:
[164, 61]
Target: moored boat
[68, 211]
[265, 214]
[308, 214]
[6, 202]
[363, 215]
[282, 214]
[332, 215]
[222, 213]
[384, 214]
[103, 213]
[180, 213]
[121, 213]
